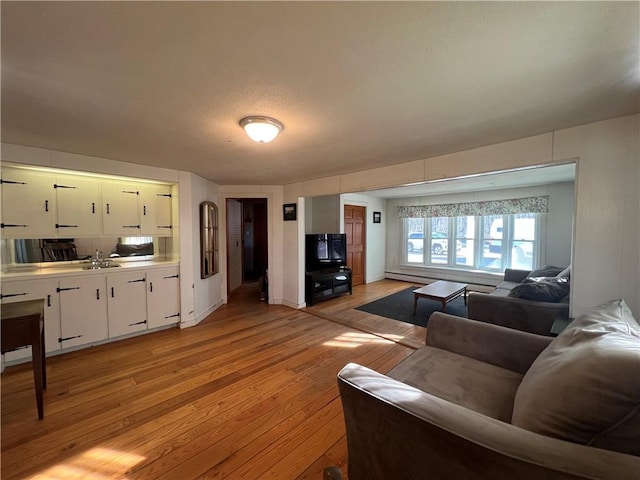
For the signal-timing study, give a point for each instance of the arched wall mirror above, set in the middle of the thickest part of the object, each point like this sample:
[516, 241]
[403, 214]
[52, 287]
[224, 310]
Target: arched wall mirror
[208, 239]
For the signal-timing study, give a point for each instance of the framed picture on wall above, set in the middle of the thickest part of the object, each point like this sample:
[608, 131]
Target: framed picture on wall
[377, 217]
[289, 211]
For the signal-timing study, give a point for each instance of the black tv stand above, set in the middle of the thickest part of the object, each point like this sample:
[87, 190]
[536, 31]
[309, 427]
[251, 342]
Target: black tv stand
[327, 283]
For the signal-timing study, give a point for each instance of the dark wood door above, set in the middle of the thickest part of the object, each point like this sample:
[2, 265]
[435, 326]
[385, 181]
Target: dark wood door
[355, 228]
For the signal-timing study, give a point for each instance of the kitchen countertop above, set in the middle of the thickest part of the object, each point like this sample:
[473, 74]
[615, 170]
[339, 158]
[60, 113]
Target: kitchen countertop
[78, 268]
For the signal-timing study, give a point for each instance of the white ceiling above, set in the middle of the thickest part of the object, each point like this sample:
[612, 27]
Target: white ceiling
[357, 85]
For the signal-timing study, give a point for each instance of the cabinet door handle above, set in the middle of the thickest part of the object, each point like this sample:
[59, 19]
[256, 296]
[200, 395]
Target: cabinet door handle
[174, 315]
[136, 281]
[112, 293]
[173, 276]
[130, 226]
[107, 209]
[93, 207]
[150, 286]
[144, 210]
[12, 182]
[137, 323]
[60, 225]
[97, 294]
[56, 185]
[13, 295]
[8, 225]
[48, 300]
[65, 289]
[165, 226]
[46, 205]
[68, 338]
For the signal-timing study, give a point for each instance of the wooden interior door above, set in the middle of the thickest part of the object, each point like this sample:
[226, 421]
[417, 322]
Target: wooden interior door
[355, 228]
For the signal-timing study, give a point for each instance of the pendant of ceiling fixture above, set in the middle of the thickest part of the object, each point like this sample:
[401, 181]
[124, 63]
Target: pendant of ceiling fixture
[261, 129]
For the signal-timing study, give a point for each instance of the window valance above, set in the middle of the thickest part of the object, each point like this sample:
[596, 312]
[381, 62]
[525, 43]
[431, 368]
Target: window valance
[490, 207]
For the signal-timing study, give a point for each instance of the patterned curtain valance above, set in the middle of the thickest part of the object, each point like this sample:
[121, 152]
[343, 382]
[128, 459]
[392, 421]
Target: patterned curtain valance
[490, 207]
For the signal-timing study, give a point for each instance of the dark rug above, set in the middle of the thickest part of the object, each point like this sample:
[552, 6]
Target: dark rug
[399, 306]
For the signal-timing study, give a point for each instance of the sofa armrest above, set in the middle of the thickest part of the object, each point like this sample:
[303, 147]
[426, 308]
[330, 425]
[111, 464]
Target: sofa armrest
[527, 315]
[505, 347]
[397, 431]
[514, 275]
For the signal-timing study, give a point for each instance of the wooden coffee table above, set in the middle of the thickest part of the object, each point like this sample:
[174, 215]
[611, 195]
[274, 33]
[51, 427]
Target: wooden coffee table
[442, 291]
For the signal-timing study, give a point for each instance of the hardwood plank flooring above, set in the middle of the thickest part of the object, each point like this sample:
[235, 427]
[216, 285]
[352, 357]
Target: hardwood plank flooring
[249, 393]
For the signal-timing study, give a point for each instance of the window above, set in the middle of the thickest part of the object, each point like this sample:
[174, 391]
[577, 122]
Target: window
[484, 242]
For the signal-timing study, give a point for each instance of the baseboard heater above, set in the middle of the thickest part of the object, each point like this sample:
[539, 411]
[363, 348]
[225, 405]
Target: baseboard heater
[427, 279]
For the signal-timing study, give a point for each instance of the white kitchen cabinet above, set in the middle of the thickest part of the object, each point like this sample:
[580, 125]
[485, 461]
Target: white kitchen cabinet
[163, 296]
[78, 206]
[120, 209]
[83, 310]
[155, 209]
[127, 303]
[28, 204]
[33, 290]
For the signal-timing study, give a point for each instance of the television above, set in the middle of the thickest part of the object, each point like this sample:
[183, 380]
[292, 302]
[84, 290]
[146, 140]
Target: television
[325, 250]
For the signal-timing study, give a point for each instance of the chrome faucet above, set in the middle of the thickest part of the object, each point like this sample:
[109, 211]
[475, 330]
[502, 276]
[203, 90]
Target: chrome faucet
[99, 261]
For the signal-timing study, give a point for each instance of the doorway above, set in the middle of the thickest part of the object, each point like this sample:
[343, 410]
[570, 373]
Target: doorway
[355, 228]
[247, 245]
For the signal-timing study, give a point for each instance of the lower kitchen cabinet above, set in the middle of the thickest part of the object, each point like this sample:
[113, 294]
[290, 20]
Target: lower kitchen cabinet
[127, 303]
[46, 290]
[94, 307]
[163, 296]
[83, 310]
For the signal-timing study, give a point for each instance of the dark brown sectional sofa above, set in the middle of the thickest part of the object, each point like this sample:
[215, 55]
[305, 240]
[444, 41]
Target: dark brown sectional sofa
[524, 314]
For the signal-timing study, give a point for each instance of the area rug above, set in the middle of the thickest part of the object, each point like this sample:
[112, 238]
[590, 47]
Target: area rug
[399, 306]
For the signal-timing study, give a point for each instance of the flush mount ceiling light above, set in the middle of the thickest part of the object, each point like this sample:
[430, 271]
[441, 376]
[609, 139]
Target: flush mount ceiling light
[261, 129]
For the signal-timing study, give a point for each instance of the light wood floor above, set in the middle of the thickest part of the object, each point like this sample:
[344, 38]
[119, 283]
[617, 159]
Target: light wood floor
[250, 393]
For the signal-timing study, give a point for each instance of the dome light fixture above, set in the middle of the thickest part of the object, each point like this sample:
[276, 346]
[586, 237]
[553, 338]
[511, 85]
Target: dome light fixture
[261, 129]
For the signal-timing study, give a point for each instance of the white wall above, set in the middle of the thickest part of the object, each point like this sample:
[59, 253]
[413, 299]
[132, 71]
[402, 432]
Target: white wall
[559, 231]
[325, 215]
[606, 246]
[198, 296]
[607, 222]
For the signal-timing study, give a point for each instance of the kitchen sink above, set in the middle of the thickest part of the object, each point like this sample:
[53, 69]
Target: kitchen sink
[101, 267]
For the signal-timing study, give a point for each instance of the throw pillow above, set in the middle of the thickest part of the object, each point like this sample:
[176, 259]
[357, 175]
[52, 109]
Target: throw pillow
[541, 289]
[585, 386]
[565, 273]
[545, 271]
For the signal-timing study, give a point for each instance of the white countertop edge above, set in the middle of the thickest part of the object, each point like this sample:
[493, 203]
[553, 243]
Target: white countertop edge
[27, 273]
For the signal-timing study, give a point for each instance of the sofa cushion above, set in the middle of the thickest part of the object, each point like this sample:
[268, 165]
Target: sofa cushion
[479, 386]
[585, 386]
[541, 289]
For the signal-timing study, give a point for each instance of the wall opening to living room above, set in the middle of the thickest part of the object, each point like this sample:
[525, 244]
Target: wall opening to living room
[524, 238]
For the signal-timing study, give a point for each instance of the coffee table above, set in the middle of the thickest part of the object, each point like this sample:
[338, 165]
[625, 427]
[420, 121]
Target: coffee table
[442, 291]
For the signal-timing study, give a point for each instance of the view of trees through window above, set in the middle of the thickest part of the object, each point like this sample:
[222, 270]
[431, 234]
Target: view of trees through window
[487, 242]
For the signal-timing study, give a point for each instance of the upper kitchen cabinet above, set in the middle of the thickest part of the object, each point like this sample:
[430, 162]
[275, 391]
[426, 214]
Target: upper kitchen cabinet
[28, 204]
[155, 209]
[120, 209]
[78, 206]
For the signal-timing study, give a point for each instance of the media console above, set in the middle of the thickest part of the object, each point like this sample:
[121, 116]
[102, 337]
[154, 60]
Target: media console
[328, 283]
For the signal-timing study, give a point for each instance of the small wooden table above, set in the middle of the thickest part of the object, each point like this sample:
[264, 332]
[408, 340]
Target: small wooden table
[441, 290]
[23, 325]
